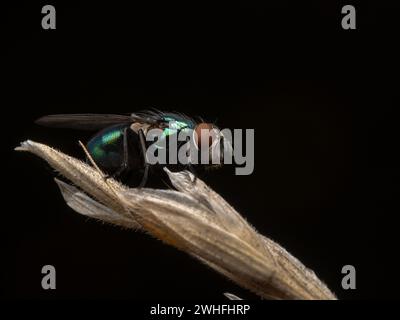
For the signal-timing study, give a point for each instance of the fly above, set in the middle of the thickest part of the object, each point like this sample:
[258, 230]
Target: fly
[120, 145]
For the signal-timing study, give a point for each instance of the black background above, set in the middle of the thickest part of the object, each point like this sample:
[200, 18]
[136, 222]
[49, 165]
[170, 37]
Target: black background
[323, 102]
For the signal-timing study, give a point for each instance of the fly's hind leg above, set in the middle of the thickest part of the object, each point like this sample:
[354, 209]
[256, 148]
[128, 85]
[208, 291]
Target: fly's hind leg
[146, 164]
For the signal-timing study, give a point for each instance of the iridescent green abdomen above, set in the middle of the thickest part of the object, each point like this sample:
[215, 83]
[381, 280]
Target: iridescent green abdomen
[106, 147]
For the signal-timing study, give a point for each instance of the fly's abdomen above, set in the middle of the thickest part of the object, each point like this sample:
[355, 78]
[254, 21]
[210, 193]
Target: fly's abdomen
[106, 147]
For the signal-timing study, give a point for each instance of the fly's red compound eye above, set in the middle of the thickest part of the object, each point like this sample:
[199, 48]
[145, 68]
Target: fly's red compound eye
[205, 134]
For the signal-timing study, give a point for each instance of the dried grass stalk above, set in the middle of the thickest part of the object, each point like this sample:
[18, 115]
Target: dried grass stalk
[192, 218]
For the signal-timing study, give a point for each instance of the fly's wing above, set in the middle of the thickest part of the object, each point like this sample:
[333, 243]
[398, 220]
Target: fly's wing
[84, 121]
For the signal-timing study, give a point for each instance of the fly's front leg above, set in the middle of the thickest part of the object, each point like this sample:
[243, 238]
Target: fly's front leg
[146, 164]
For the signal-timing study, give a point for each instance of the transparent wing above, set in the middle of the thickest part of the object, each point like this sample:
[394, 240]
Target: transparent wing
[84, 121]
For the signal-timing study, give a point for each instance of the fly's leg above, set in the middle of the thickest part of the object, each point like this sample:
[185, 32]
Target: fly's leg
[124, 164]
[190, 166]
[146, 164]
[192, 171]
